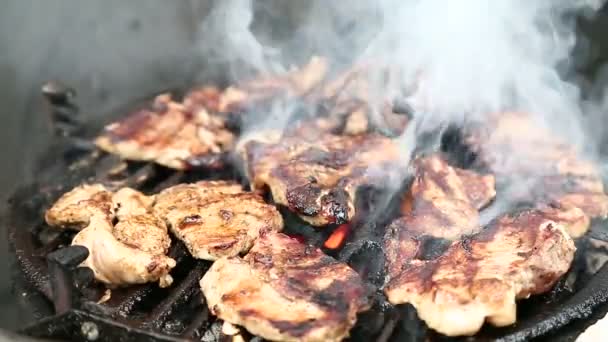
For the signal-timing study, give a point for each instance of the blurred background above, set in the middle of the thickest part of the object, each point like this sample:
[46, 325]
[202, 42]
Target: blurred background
[115, 51]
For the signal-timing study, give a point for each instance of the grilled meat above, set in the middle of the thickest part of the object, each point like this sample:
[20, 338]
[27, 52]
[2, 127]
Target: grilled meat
[444, 201]
[345, 102]
[560, 177]
[353, 97]
[74, 209]
[216, 218]
[297, 82]
[286, 291]
[481, 277]
[572, 218]
[134, 260]
[170, 134]
[318, 179]
[128, 202]
[207, 97]
[132, 251]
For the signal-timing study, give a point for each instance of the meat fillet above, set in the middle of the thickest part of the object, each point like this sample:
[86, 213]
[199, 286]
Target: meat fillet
[284, 290]
[216, 218]
[443, 201]
[347, 100]
[517, 149]
[130, 251]
[318, 179]
[480, 278]
[74, 209]
[296, 82]
[364, 96]
[171, 134]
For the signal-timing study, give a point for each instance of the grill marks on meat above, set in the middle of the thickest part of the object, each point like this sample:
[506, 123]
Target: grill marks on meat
[478, 279]
[175, 135]
[216, 218]
[133, 251]
[514, 143]
[318, 179]
[443, 201]
[285, 290]
[74, 209]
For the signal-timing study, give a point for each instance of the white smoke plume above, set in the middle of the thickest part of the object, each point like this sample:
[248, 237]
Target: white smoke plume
[469, 58]
[227, 40]
[476, 57]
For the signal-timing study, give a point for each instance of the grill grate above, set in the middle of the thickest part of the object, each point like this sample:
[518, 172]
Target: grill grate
[35, 245]
[49, 264]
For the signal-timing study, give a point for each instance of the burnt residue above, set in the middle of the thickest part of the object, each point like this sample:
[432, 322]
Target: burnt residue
[336, 204]
[456, 151]
[262, 260]
[431, 248]
[304, 199]
[226, 215]
[224, 245]
[189, 221]
[331, 159]
[296, 329]
[326, 170]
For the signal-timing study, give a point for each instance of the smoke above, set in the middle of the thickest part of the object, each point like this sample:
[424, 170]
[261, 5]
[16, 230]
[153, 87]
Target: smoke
[227, 41]
[469, 59]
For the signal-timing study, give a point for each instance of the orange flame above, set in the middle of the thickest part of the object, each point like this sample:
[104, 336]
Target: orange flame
[337, 238]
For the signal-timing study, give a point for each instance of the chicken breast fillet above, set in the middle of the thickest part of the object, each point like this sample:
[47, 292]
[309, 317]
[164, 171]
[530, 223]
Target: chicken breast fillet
[131, 251]
[296, 82]
[357, 96]
[318, 179]
[480, 278]
[170, 134]
[216, 218]
[443, 201]
[126, 261]
[552, 171]
[284, 290]
[74, 208]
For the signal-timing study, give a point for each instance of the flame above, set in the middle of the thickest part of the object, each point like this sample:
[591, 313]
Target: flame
[337, 238]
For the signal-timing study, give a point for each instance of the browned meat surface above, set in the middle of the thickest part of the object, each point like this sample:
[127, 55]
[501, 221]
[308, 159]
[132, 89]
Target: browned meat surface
[296, 82]
[346, 100]
[75, 208]
[170, 134]
[207, 97]
[318, 179]
[515, 144]
[572, 218]
[117, 263]
[132, 251]
[216, 218]
[284, 290]
[128, 202]
[444, 201]
[363, 98]
[478, 279]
